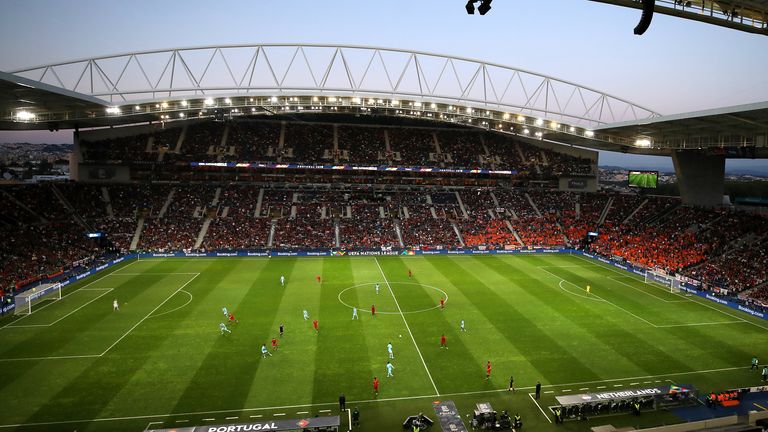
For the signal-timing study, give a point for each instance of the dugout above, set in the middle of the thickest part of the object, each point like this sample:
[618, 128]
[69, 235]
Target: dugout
[628, 400]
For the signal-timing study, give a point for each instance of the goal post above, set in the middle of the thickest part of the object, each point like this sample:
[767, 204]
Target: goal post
[26, 301]
[661, 278]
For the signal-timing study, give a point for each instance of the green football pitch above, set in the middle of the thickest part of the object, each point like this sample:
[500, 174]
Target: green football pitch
[161, 360]
[644, 180]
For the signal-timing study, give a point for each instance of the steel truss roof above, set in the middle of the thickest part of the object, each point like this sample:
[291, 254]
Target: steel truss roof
[342, 70]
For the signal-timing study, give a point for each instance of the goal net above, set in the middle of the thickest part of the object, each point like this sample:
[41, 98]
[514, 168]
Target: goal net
[29, 299]
[664, 279]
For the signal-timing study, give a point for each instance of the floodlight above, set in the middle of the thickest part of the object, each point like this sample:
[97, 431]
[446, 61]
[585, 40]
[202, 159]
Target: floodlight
[589, 133]
[25, 115]
[113, 110]
[184, 103]
[484, 7]
[208, 102]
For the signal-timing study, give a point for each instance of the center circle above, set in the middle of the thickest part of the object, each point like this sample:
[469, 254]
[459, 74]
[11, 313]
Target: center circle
[368, 291]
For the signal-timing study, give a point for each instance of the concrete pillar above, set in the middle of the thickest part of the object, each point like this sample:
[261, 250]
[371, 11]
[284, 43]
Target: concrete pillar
[701, 177]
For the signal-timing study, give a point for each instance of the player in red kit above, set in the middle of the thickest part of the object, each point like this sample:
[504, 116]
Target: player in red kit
[274, 344]
[442, 342]
[410, 274]
[442, 303]
[488, 370]
[232, 318]
[318, 278]
[376, 386]
[314, 324]
[373, 311]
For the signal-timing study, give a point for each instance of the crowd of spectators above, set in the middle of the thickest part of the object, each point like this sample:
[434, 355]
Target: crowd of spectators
[254, 141]
[413, 146]
[362, 145]
[310, 143]
[306, 228]
[179, 227]
[235, 224]
[365, 228]
[720, 248]
[464, 149]
[129, 148]
[304, 142]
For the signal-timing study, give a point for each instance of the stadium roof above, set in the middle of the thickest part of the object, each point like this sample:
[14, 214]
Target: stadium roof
[745, 15]
[291, 79]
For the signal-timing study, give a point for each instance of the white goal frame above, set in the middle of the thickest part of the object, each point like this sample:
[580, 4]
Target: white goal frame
[661, 278]
[25, 300]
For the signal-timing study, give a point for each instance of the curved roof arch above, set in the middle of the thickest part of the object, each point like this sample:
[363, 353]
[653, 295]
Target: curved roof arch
[280, 69]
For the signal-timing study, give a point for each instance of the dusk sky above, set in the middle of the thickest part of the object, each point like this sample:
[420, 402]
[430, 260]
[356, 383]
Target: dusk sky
[677, 66]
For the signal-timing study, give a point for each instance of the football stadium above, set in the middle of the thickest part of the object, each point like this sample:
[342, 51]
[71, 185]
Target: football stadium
[329, 237]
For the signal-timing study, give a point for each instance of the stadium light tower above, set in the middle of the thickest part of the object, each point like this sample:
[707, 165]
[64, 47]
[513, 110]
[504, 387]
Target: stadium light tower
[485, 6]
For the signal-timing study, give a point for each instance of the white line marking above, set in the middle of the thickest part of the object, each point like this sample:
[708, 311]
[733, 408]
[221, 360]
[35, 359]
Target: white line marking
[530, 395]
[181, 421]
[699, 324]
[610, 303]
[50, 358]
[634, 383]
[614, 278]
[647, 382]
[324, 411]
[302, 412]
[597, 264]
[84, 286]
[376, 260]
[279, 414]
[231, 418]
[565, 390]
[584, 388]
[175, 309]
[150, 313]
[86, 304]
[155, 274]
[256, 416]
[209, 419]
[108, 419]
[618, 385]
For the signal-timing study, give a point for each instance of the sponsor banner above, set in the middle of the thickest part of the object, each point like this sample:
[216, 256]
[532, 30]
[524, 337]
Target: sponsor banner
[7, 308]
[349, 168]
[620, 394]
[95, 270]
[266, 425]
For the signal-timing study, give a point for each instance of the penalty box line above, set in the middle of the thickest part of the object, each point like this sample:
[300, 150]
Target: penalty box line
[115, 343]
[106, 291]
[243, 410]
[407, 326]
[72, 292]
[691, 299]
[740, 321]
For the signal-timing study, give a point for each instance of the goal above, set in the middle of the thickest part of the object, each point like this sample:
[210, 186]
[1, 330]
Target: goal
[30, 298]
[664, 279]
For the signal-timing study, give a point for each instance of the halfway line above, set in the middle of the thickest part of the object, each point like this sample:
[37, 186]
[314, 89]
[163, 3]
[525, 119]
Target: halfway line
[407, 326]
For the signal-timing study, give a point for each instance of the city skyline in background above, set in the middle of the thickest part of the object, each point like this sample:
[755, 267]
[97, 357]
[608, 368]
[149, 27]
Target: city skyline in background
[677, 66]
